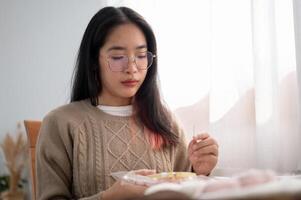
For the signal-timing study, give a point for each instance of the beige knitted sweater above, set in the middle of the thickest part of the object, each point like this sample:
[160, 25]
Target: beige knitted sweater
[79, 146]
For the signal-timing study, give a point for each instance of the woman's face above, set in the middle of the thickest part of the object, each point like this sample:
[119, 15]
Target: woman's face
[119, 86]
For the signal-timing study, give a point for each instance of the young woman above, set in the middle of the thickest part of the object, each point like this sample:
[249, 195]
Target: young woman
[116, 120]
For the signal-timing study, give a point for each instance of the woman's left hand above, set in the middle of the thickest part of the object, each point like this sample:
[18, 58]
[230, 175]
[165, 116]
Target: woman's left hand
[203, 153]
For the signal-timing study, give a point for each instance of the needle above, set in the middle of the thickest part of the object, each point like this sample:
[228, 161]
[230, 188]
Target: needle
[193, 130]
[194, 134]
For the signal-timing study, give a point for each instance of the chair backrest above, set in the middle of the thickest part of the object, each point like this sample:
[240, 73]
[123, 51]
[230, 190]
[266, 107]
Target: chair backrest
[32, 129]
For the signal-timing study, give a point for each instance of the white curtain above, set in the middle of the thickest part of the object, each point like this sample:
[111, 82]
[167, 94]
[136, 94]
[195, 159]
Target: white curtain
[229, 67]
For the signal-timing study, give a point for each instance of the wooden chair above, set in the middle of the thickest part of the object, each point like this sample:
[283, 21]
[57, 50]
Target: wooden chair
[32, 129]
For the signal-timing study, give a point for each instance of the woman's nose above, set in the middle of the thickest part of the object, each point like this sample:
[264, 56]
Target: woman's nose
[132, 66]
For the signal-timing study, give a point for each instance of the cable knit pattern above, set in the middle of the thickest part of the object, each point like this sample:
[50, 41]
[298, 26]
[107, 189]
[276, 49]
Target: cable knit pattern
[82, 161]
[79, 146]
[99, 178]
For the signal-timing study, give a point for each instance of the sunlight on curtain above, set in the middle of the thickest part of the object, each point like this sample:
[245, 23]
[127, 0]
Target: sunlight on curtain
[228, 67]
[277, 134]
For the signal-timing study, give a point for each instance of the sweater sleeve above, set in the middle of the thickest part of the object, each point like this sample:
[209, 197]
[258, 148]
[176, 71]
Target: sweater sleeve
[54, 161]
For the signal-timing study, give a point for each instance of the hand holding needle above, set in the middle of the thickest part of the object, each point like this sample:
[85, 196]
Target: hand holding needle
[203, 153]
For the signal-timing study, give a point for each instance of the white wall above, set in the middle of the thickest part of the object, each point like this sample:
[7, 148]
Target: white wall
[38, 45]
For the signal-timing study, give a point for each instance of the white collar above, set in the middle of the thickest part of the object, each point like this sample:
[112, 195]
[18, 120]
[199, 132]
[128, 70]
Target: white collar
[123, 111]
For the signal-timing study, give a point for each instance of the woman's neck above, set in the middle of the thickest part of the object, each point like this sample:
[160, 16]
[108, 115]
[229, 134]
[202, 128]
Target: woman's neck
[102, 100]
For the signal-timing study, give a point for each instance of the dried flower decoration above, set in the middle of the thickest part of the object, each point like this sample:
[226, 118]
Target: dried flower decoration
[15, 155]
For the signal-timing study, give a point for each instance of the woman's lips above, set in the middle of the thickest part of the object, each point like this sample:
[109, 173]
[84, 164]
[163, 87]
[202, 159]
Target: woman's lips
[130, 83]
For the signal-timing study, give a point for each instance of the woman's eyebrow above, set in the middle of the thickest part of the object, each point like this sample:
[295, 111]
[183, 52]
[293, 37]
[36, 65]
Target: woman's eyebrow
[116, 48]
[141, 46]
[123, 48]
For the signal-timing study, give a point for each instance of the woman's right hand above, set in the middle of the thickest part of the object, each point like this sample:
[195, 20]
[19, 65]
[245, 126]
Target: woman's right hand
[123, 190]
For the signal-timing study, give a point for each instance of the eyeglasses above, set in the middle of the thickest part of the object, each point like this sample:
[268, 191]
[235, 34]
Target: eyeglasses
[119, 63]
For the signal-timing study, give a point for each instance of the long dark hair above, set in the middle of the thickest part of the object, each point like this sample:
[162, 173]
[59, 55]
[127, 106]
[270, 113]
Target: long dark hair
[86, 84]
